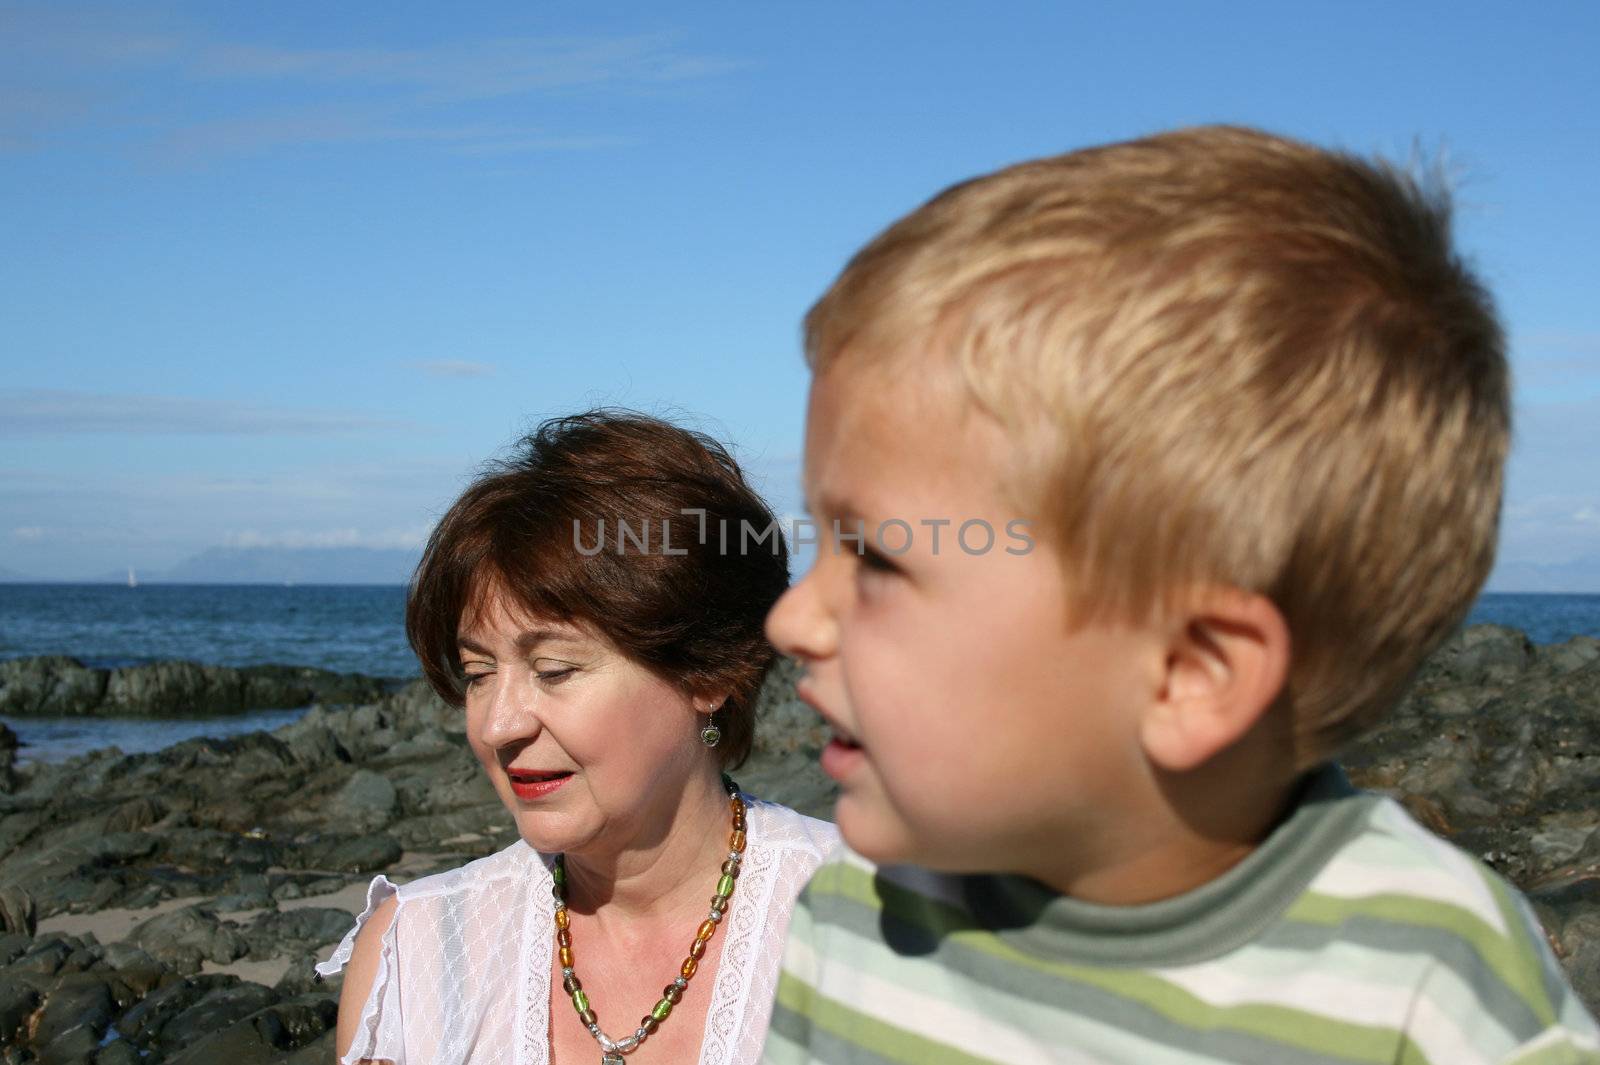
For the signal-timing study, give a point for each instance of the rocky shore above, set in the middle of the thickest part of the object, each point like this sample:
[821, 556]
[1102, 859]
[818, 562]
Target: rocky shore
[167, 907]
[56, 686]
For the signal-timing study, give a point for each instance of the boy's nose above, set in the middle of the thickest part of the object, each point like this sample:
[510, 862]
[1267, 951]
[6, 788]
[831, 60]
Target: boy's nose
[800, 625]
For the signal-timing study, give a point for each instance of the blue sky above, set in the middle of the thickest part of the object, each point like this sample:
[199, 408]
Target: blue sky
[283, 274]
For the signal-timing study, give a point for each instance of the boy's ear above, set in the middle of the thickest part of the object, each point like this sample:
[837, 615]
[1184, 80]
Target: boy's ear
[1227, 657]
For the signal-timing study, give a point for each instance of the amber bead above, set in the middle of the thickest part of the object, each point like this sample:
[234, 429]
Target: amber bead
[707, 929]
[563, 937]
[672, 993]
[697, 949]
[736, 804]
[562, 919]
[689, 967]
[566, 957]
[731, 868]
[587, 1017]
[649, 1023]
[719, 903]
[737, 842]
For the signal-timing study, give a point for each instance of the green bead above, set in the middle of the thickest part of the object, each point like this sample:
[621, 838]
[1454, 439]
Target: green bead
[663, 1008]
[560, 873]
[725, 885]
[580, 1000]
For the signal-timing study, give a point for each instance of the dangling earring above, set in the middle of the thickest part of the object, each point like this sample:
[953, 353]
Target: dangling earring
[711, 735]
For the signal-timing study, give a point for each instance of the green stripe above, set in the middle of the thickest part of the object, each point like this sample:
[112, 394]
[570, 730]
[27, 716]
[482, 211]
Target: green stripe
[1523, 980]
[1564, 1052]
[1282, 1026]
[1505, 957]
[863, 1030]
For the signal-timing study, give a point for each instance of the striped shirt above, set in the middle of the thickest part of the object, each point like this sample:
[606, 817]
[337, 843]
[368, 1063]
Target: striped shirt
[1351, 935]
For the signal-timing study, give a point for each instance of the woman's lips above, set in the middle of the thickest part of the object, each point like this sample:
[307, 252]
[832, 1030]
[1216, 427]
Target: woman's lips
[530, 784]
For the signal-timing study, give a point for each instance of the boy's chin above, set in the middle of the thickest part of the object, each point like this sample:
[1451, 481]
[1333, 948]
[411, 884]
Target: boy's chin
[877, 833]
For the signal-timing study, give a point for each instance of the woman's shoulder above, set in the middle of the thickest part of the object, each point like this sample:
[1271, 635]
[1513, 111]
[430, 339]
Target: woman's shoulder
[773, 824]
[515, 863]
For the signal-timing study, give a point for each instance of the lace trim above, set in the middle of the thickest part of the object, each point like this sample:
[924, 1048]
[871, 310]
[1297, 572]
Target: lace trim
[364, 1047]
[538, 953]
[751, 903]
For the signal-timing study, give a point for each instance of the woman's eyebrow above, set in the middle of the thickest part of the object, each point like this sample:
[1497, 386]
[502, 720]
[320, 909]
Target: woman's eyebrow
[525, 641]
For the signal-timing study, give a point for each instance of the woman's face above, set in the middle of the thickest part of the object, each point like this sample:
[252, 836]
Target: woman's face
[589, 750]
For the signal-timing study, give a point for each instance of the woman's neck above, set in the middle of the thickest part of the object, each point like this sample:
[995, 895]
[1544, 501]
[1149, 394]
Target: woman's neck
[685, 844]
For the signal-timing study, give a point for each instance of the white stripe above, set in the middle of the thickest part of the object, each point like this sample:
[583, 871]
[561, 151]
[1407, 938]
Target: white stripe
[940, 1020]
[1444, 874]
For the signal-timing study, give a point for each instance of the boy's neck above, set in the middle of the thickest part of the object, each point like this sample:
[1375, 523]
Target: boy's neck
[1188, 830]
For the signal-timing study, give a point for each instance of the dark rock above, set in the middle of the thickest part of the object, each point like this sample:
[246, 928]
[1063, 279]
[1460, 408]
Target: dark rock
[295, 931]
[145, 1022]
[59, 686]
[215, 1011]
[18, 913]
[118, 1052]
[366, 801]
[358, 854]
[17, 1003]
[188, 934]
[88, 1005]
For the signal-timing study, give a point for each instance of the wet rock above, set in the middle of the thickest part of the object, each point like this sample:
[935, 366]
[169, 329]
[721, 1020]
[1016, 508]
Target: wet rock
[274, 934]
[216, 1011]
[87, 1005]
[17, 1003]
[366, 802]
[18, 913]
[186, 935]
[358, 854]
[59, 686]
[265, 1036]
[144, 1023]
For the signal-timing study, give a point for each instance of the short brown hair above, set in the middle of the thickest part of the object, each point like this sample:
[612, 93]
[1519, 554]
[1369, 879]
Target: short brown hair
[688, 610]
[1224, 357]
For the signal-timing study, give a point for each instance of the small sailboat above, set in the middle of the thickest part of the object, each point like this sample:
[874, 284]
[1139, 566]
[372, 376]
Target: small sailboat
[133, 582]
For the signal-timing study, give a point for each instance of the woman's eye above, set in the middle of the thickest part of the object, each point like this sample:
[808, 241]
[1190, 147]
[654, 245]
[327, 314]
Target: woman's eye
[471, 679]
[556, 676]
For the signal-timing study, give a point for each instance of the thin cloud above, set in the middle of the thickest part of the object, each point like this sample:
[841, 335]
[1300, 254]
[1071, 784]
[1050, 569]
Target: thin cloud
[71, 70]
[52, 412]
[470, 70]
[300, 539]
[455, 368]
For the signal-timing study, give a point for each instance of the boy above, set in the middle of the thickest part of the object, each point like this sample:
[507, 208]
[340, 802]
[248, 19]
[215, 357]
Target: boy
[1249, 413]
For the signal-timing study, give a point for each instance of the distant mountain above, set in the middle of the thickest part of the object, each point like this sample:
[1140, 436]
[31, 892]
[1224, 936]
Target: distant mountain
[1580, 576]
[291, 565]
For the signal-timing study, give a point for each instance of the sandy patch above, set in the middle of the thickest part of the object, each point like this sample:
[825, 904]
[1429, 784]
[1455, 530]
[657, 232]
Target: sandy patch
[113, 925]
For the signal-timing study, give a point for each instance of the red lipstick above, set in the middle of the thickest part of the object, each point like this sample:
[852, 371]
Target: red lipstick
[531, 784]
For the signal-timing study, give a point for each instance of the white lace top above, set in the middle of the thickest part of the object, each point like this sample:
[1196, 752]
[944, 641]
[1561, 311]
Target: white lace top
[464, 971]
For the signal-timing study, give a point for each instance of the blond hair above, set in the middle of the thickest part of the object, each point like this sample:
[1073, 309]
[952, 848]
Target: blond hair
[1224, 357]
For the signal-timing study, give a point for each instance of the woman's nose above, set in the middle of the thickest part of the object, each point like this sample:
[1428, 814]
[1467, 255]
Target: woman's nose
[510, 715]
[800, 625]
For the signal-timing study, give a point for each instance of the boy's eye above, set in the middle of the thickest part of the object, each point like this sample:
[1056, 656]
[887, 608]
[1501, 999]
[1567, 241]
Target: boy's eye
[875, 562]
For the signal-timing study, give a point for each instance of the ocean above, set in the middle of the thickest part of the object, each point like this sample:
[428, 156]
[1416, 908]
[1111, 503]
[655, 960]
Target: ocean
[347, 628]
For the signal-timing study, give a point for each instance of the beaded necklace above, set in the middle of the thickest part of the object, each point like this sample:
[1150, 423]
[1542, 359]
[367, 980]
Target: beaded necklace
[611, 1050]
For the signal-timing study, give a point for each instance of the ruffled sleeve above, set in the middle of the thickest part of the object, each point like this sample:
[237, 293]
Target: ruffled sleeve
[378, 1035]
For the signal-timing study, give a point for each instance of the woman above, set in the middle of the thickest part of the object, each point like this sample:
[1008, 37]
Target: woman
[605, 641]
